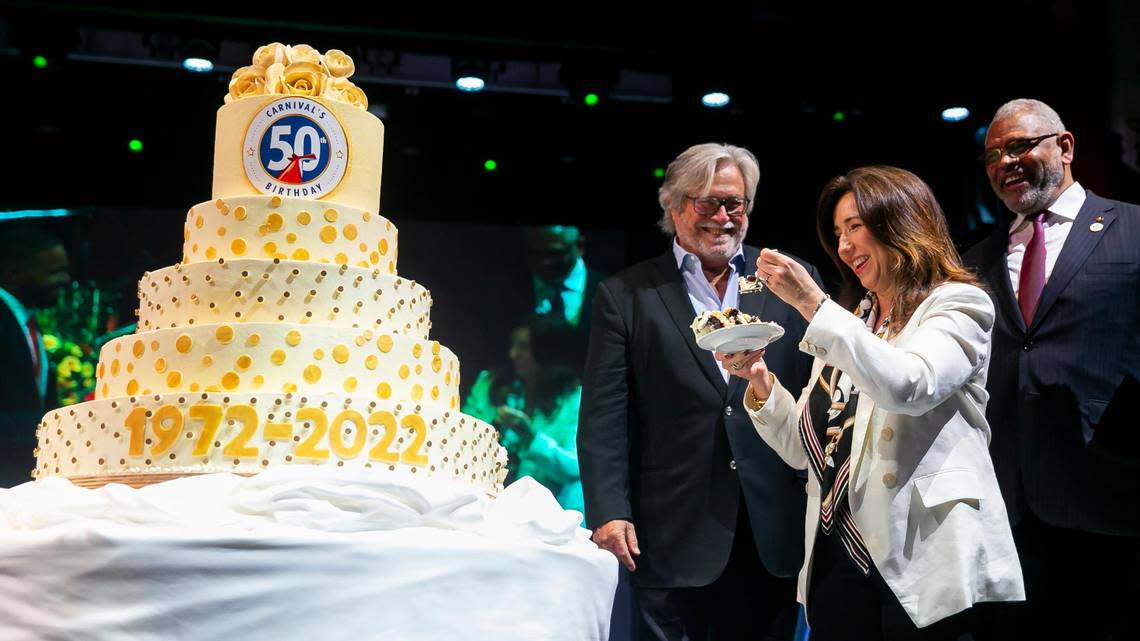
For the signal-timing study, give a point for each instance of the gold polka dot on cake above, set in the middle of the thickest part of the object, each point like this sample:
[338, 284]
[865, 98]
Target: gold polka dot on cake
[154, 346]
[417, 392]
[436, 364]
[211, 253]
[374, 257]
[275, 201]
[312, 374]
[434, 392]
[435, 347]
[139, 348]
[102, 368]
[303, 217]
[371, 362]
[238, 246]
[130, 367]
[301, 254]
[221, 231]
[341, 258]
[350, 232]
[384, 343]
[174, 379]
[391, 267]
[243, 362]
[277, 357]
[293, 338]
[253, 340]
[405, 372]
[258, 380]
[290, 237]
[270, 248]
[274, 221]
[318, 353]
[330, 215]
[160, 365]
[239, 212]
[207, 360]
[194, 248]
[224, 334]
[184, 343]
[350, 384]
[417, 350]
[289, 388]
[194, 387]
[199, 221]
[114, 367]
[383, 246]
[132, 387]
[447, 378]
[328, 233]
[230, 380]
[340, 354]
[106, 389]
[419, 369]
[366, 216]
[383, 390]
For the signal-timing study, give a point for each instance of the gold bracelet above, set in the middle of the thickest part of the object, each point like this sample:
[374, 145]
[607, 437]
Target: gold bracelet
[750, 398]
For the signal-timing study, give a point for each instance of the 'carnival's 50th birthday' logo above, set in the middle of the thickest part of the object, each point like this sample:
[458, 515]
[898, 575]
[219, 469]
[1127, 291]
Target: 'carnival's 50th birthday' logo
[295, 147]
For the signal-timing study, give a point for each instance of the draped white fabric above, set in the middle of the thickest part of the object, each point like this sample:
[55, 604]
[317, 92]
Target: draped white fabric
[297, 554]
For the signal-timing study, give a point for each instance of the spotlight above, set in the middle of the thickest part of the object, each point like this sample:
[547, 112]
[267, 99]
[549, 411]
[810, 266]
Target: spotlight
[955, 114]
[197, 54]
[470, 83]
[715, 99]
[470, 75]
[197, 65]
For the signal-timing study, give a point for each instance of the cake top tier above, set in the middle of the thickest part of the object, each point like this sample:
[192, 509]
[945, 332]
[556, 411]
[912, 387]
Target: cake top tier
[295, 126]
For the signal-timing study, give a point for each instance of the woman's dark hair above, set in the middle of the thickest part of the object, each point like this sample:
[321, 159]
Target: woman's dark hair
[900, 211]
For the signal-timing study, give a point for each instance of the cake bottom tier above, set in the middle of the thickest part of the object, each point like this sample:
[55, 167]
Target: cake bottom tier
[138, 440]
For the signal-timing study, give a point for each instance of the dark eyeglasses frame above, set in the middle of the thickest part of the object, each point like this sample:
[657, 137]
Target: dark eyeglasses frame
[720, 202]
[994, 155]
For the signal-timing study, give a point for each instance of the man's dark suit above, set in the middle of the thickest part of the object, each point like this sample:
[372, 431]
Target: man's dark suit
[665, 443]
[1050, 384]
[21, 407]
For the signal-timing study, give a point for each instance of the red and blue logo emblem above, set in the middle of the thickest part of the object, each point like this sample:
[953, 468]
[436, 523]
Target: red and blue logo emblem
[295, 147]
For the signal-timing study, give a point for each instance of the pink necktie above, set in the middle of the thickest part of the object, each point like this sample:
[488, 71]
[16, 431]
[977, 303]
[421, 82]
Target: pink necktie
[1032, 279]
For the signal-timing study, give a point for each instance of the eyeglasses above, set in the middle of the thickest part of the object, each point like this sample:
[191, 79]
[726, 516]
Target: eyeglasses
[709, 205]
[1015, 149]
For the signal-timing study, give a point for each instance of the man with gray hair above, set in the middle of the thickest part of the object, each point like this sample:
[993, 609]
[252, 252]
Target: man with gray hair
[1065, 358]
[677, 483]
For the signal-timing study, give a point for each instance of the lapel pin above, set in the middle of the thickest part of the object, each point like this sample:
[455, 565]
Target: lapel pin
[1097, 225]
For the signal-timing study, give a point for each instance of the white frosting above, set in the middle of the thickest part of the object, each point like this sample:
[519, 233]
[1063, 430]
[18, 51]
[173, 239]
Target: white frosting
[298, 553]
[245, 291]
[165, 434]
[271, 227]
[278, 357]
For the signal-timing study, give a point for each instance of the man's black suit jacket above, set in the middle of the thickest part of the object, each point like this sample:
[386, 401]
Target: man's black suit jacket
[1062, 389]
[665, 443]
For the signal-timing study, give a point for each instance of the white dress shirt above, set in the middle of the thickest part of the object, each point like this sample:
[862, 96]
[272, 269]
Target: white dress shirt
[701, 294]
[1058, 221]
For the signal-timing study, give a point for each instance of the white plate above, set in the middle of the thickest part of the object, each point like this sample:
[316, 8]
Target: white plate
[737, 338]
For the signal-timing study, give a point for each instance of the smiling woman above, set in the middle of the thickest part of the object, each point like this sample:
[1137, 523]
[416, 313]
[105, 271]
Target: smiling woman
[904, 527]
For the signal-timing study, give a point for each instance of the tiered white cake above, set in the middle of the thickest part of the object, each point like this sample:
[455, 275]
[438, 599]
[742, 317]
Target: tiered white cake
[286, 345]
[285, 336]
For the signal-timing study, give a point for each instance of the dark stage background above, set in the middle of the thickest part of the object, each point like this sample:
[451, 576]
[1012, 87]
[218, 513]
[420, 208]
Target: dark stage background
[113, 75]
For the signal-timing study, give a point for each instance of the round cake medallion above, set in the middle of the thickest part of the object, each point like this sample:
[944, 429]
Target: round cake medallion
[295, 147]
